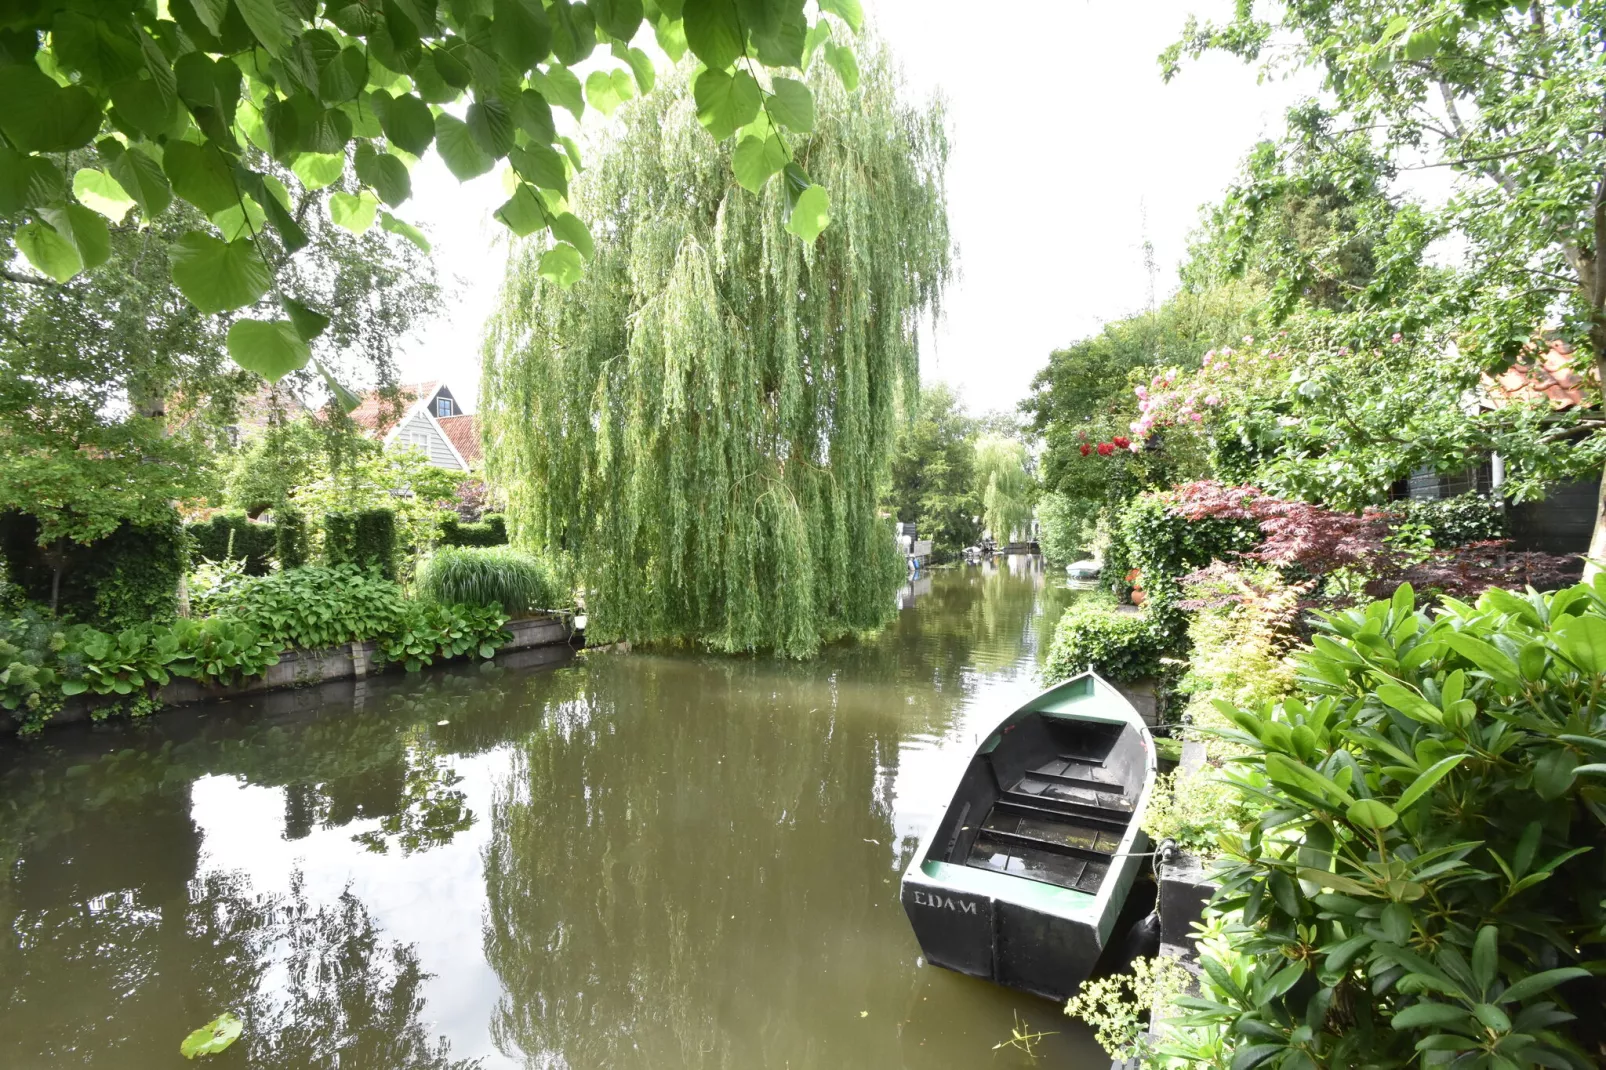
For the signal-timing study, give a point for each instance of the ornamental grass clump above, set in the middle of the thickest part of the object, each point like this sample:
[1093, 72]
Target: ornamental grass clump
[517, 582]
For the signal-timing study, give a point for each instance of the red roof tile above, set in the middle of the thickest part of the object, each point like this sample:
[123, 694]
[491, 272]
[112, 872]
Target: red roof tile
[378, 416]
[464, 432]
[1555, 377]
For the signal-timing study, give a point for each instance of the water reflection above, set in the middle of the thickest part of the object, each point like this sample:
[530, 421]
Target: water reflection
[633, 861]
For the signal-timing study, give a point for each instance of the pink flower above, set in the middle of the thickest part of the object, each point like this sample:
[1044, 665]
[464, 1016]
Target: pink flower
[1136, 447]
[1196, 417]
[1343, 351]
[1170, 376]
[1212, 401]
[1140, 392]
[1396, 339]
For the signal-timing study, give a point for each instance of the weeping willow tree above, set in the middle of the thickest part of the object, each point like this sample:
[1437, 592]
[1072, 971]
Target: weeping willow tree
[705, 420]
[1005, 485]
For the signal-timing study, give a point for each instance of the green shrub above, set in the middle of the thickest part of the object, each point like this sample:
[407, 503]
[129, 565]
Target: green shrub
[29, 647]
[1165, 546]
[1448, 522]
[492, 531]
[315, 606]
[429, 630]
[129, 576]
[290, 537]
[366, 539]
[1121, 647]
[516, 582]
[1425, 880]
[235, 535]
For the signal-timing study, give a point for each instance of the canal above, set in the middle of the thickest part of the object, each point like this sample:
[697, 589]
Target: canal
[632, 860]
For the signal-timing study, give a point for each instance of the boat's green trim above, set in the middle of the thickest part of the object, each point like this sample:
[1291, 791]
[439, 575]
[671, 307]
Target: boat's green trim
[1048, 898]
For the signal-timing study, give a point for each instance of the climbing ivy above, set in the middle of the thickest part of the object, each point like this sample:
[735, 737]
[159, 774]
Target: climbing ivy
[193, 99]
[706, 419]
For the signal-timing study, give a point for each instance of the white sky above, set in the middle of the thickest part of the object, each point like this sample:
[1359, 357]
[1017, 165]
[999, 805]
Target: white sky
[1066, 155]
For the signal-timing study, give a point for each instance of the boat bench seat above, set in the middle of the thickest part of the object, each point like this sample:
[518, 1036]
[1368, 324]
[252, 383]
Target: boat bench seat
[1060, 824]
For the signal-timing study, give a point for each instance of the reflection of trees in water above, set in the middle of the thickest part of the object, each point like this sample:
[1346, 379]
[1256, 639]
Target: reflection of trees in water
[684, 866]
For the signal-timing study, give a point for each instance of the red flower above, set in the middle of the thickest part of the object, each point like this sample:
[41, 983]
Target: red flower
[1121, 442]
[1105, 449]
[1086, 449]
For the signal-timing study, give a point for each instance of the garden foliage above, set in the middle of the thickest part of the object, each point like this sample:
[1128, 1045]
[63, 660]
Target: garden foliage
[491, 531]
[1120, 647]
[365, 540]
[430, 630]
[234, 535]
[1424, 879]
[128, 576]
[292, 541]
[314, 607]
[511, 580]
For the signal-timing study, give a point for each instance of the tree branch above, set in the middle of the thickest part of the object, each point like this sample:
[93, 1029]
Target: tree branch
[31, 280]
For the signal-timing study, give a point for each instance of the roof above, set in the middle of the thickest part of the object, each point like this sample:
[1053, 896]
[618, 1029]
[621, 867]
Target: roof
[463, 431]
[1554, 377]
[377, 415]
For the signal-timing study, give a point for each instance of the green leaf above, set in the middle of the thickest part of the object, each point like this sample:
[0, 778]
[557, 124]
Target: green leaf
[101, 192]
[726, 101]
[1536, 983]
[308, 323]
[396, 226]
[318, 169]
[810, 215]
[848, 11]
[237, 223]
[533, 114]
[490, 122]
[216, 1035]
[756, 159]
[574, 31]
[218, 276]
[1410, 703]
[818, 35]
[780, 44]
[1371, 814]
[792, 106]
[560, 86]
[200, 174]
[1583, 640]
[1431, 776]
[48, 251]
[1430, 1014]
[385, 173]
[1554, 773]
[714, 32]
[562, 265]
[569, 228]
[41, 116]
[143, 179]
[28, 181]
[619, 19]
[671, 36]
[353, 212]
[523, 213]
[408, 124]
[152, 111]
[85, 229]
[1485, 956]
[641, 67]
[542, 166]
[573, 152]
[459, 150]
[268, 22]
[844, 62]
[347, 400]
[271, 348]
[210, 12]
[606, 90]
[523, 32]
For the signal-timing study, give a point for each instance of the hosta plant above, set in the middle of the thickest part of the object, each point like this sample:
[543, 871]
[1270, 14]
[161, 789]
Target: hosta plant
[429, 630]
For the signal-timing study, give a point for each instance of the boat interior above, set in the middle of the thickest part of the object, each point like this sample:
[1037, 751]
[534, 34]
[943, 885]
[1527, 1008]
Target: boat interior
[1050, 801]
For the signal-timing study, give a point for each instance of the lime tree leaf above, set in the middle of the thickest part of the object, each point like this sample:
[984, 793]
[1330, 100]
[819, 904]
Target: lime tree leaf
[671, 36]
[844, 62]
[780, 44]
[560, 86]
[569, 228]
[462, 155]
[267, 22]
[523, 32]
[792, 106]
[714, 32]
[562, 265]
[48, 251]
[318, 169]
[218, 1034]
[755, 159]
[640, 66]
[385, 173]
[523, 213]
[573, 152]
[818, 35]
[211, 12]
[388, 222]
[602, 93]
[41, 116]
[84, 229]
[491, 124]
[619, 19]
[541, 165]
[308, 323]
[1369, 812]
[271, 348]
[347, 400]
[726, 101]
[215, 275]
[201, 175]
[353, 211]
[408, 124]
[533, 114]
[28, 181]
[142, 178]
[236, 222]
[848, 11]
[143, 103]
[101, 192]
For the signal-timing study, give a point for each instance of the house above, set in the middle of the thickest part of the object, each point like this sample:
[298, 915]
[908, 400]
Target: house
[430, 419]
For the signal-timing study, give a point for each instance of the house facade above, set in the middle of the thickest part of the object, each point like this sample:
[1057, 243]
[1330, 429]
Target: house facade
[430, 420]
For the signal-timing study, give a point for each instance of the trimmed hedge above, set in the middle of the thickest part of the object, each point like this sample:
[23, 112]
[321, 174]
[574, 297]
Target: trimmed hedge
[290, 537]
[129, 577]
[1121, 647]
[235, 536]
[492, 531]
[1469, 517]
[366, 539]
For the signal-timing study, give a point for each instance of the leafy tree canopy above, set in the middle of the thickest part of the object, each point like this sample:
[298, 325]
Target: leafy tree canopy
[934, 471]
[1005, 485]
[706, 419]
[208, 102]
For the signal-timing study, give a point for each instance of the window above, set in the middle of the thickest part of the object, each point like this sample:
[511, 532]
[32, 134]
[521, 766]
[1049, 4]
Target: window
[419, 439]
[443, 406]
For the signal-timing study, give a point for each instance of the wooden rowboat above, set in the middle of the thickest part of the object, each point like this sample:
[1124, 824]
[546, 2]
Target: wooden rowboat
[1021, 879]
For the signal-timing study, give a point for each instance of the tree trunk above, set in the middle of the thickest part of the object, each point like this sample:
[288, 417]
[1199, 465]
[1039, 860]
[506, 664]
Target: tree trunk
[1596, 559]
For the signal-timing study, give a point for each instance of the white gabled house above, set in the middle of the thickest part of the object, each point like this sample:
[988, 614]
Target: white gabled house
[430, 421]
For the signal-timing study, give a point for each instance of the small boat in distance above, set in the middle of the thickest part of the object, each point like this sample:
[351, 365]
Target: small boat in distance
[1021, 879]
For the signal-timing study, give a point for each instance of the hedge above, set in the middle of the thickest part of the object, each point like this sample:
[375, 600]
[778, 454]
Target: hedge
[492, 531]
[366, 539]
[235, 536]
[128, 577]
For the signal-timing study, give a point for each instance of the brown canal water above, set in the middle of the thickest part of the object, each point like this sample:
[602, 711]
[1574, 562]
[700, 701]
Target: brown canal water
[630, 861]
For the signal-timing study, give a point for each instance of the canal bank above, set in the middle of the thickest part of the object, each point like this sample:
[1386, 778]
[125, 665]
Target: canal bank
[629, 861]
